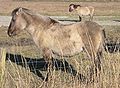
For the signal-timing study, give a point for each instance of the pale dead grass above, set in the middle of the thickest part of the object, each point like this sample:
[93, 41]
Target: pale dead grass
[59, 8]
[17, 76]
[20, 76]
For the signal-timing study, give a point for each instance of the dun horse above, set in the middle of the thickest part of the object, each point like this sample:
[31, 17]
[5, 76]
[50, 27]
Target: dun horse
[82, 11]
[56, 39]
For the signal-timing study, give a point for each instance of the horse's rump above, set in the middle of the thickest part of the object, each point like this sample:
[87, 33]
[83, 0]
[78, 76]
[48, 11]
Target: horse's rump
[91, 35]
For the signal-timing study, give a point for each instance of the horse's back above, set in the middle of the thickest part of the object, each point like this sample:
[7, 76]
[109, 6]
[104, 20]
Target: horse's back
[82, 11]
[64, 37]
[70, 38]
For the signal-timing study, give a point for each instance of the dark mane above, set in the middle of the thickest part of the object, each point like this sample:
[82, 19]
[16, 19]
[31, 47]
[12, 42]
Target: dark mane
[16, 9]
[34, 14]
[74, 5]
[71, 5]
[53, 21]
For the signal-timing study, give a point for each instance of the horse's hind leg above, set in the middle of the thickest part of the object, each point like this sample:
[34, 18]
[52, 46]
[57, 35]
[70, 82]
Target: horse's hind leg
[95, 69]
[73, 68]
[49, 70]
[99, 57]
[98, 61]
[91, 17]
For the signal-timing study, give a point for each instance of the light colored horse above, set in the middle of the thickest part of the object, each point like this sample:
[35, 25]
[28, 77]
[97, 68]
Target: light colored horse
[56, 39]
[82, 10]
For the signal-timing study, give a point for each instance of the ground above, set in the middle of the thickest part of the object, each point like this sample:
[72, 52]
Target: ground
[25, 68]
[60, 8]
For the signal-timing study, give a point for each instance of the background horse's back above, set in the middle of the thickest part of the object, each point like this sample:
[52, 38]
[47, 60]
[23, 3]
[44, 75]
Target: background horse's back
[82, 11]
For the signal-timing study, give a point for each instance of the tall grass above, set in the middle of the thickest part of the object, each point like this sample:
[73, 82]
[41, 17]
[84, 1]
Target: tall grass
[19, 74]
[24, 67]
[2, 66]
[73, 0]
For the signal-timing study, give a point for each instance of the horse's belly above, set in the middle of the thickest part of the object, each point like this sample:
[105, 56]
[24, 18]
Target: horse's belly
[68, 49]
[69, 46]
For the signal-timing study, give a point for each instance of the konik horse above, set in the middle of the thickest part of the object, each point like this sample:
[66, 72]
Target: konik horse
[82, 11]
[56, 39]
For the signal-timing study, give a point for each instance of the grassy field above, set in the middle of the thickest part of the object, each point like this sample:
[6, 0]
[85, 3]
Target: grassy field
[73, 0]
[24, 65]
[25, 68]
[60, 8]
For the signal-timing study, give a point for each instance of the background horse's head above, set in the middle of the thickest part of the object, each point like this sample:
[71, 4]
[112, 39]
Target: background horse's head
[17, 23]
[72, 7]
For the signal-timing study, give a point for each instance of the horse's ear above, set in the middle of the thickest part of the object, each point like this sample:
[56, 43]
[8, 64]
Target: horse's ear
[19, 11]
[75, 6]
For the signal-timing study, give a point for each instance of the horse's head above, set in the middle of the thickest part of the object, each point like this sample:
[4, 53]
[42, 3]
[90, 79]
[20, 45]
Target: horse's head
[72, 7]
[17, 23]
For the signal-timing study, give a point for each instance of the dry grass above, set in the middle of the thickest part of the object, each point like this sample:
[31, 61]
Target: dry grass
[24, 64]
[60, 8]
[21, 76]
[25, 72]
[72, 0]
[2, 65]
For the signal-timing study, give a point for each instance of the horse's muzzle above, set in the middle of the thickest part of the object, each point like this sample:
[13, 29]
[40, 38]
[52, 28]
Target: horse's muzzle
[11, 34]
[70, 10]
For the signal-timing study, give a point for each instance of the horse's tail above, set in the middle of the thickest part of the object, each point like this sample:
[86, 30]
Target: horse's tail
[104, 34]
[104, 38]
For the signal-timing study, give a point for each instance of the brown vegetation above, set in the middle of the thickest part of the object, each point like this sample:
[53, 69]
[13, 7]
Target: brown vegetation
[60, 8]
[24, 64]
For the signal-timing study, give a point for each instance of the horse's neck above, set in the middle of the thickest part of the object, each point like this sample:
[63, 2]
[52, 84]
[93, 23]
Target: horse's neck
[37, 23]
[35, 18]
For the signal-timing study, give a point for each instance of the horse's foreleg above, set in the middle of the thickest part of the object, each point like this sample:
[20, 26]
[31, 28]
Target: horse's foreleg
[47, 55]
[49, 70]
[80, 18]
